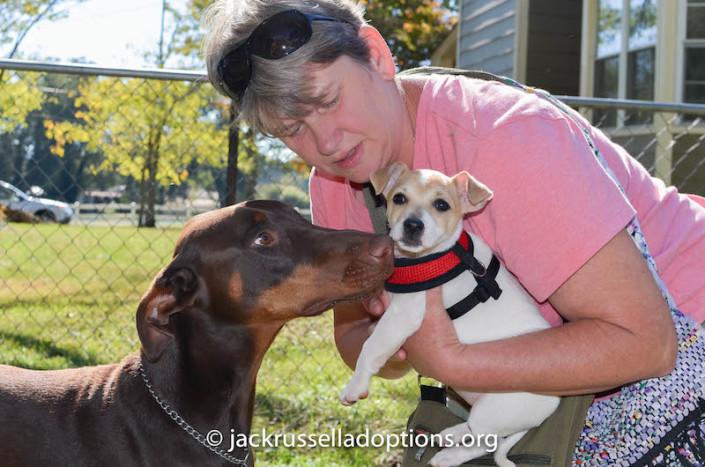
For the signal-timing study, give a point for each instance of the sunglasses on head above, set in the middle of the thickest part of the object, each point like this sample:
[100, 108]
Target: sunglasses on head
[274, 38]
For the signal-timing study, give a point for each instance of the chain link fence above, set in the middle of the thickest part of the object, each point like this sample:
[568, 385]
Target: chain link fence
[102, 167]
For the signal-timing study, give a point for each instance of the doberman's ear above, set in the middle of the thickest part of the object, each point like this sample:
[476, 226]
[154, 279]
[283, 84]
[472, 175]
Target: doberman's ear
[383, 180]
[172, 290]
[473, 194]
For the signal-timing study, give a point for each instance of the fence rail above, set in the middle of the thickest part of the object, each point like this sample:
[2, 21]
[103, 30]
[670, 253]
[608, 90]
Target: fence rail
[596, 102]
[94, 70]
[68, 293]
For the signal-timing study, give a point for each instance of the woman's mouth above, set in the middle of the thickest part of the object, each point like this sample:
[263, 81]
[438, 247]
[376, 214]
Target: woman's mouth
[351, 158]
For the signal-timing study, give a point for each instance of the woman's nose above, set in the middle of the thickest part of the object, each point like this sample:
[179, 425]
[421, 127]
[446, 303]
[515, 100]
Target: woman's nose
[328, 136]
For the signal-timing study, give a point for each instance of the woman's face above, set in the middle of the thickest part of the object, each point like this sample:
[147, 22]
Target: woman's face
[363, 125]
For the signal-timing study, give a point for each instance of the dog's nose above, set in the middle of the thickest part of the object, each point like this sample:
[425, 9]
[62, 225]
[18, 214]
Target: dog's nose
[413, 226]
[381, 246]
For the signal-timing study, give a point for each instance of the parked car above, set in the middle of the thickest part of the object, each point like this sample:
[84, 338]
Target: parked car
[47, 210]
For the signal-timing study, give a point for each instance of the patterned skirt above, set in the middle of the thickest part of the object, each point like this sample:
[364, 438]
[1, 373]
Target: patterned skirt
[658, 421]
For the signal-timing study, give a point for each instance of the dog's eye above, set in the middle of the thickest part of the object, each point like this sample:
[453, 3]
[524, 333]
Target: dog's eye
[264, 239]
[399, 198]
[441, 205]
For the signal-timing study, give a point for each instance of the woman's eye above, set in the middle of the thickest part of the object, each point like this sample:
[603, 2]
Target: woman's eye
[330, 104]
[289, 131]
[399, 198]
[293, 131]
[441, 205]
[264, 239]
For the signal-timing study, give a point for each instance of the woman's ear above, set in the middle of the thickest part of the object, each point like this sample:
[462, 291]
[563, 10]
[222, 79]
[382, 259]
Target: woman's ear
[381, 57]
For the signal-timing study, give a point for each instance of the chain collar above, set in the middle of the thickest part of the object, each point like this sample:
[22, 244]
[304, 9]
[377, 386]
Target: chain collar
[188, 428]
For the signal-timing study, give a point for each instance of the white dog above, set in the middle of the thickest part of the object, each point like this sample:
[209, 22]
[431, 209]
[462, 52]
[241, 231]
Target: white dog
[425, 211]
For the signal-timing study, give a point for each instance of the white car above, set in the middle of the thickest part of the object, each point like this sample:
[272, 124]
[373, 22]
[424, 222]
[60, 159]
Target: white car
[48, 210]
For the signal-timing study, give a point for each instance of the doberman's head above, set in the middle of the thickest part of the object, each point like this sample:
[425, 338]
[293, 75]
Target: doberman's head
[259, 263]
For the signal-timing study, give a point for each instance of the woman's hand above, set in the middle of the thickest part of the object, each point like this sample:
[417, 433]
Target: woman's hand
[377, 304]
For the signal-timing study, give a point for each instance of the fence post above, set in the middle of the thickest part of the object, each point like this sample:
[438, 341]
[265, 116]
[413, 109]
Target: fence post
[663, 159]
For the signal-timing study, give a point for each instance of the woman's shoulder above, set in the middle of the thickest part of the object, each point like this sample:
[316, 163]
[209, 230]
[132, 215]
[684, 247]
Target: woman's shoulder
[334, 202]
[478, 105]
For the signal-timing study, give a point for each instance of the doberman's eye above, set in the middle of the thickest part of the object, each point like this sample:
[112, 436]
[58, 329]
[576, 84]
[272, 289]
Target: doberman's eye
[399, 198]
[441, 205]
[264, 239]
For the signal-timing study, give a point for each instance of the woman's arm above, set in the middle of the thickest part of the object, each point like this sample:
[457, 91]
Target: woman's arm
[619, 331]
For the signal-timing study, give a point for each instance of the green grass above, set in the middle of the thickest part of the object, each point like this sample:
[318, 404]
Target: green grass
[68, 295]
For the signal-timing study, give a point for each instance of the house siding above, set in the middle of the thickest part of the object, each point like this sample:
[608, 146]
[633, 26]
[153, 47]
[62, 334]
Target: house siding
[550, 44]
[487, 36]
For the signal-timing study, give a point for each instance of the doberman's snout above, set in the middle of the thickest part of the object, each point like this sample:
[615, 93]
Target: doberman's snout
[368, 261]
[381, 247]
[413, 228]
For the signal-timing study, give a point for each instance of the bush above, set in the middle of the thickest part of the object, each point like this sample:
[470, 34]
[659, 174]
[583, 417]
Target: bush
[288, 194]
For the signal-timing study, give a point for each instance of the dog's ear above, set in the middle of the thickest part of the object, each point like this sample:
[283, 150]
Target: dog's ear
[384, 179]
[473, 194]
[171, 291]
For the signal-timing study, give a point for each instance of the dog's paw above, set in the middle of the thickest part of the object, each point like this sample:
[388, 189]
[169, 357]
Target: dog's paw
[446, 458]
[354, 391]
[453, 436]
[450, 457]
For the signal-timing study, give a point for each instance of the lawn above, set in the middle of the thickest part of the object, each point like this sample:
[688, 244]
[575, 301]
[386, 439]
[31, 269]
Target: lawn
[68, 295]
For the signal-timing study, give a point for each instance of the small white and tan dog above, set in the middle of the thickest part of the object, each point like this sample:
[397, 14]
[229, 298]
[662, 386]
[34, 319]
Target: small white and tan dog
[425, 210]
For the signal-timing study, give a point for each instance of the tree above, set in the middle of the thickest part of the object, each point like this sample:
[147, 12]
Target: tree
[151, 131]
[20, 97]
[17, 99]
[413, 28]
[245, 162]
[33, 163]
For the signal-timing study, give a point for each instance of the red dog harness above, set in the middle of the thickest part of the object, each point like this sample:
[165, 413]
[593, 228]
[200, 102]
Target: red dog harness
[419, 274]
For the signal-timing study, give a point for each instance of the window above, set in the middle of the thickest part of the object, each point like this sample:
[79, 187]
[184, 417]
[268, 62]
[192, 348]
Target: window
[694, 83]
[8, 195]
[625, 55]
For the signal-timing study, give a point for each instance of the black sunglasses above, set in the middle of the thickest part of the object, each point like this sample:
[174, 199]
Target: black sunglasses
[274, 38]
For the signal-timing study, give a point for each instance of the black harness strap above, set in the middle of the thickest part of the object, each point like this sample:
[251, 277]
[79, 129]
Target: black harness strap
[467, 257]
[486, 288]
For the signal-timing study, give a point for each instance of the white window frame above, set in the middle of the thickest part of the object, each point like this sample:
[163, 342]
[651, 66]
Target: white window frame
[624, 50]
[623, 57]
[683, 42]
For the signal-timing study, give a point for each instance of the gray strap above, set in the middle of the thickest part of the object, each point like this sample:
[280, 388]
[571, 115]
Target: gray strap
[431, 70]
[378, 213]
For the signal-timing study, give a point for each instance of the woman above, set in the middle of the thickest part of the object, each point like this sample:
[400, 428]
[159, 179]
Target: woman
[325, 83]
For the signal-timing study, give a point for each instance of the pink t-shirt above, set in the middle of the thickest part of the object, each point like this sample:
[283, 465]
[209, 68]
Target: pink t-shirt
[554, 206]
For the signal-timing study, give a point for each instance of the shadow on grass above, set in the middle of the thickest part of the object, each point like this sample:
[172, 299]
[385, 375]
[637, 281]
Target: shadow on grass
[284, 410]
[47, 349]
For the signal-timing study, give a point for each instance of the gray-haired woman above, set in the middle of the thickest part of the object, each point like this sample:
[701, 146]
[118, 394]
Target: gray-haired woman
[316, 76]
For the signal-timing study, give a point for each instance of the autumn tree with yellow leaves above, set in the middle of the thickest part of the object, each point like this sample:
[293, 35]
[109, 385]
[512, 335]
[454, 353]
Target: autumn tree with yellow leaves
[152, 131]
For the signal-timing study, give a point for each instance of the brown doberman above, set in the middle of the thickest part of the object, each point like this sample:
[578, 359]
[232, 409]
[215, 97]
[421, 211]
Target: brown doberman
[237, 275]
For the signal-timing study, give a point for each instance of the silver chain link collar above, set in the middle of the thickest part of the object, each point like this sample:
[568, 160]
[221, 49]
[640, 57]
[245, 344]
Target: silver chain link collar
[188, 428]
